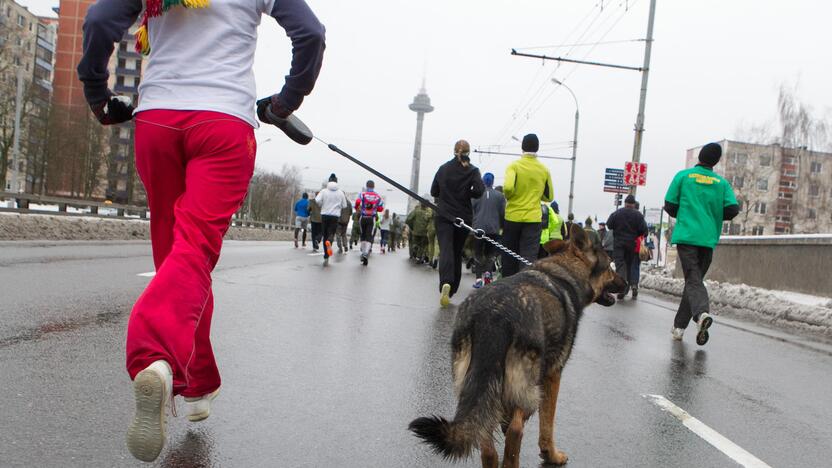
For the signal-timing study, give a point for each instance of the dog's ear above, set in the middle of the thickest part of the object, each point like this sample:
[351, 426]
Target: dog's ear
[554, 246]
[579, 238]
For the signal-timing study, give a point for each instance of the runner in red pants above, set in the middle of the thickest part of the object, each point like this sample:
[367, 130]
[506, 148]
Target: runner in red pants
[195, 152]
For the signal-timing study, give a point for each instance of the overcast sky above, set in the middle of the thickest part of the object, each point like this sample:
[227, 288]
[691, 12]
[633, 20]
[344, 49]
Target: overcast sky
[716, 66]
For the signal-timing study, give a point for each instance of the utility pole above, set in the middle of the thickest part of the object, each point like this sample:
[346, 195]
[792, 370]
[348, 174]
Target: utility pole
[645, 73]
[574, 145]
[16, 141]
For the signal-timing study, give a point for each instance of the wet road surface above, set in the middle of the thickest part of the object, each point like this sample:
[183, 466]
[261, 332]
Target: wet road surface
[326, 367]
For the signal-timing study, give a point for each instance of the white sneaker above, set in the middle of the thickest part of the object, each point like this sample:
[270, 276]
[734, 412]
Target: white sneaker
[199, 408]
[678, 333]
[152, 389]
[705, 322]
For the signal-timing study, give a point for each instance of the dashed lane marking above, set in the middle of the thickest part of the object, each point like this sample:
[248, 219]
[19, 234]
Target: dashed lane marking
[149, 274]
[720, 442]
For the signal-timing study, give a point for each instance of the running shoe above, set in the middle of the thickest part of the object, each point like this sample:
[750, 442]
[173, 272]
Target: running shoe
[328, 248]
[364, 260]
[445, 296]
[479, 283]
[678, 333]
[705, 322]
[199, 408]
[152, 390]
[296, 243]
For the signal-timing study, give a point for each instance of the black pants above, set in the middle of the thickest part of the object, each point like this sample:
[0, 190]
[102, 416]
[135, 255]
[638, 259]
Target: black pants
[317, 233]
[484, 254]
[451, 242]
[625, 258]
[522, 238]
[329, 225]
[367, 225]
[695, 263]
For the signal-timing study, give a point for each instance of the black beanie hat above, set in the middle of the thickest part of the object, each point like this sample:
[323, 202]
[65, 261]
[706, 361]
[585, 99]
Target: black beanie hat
[332, 178]
[630, 200]
[710, 154]
[530, 143]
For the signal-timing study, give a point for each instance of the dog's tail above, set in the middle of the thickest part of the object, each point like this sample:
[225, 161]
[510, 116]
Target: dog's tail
[479, 410]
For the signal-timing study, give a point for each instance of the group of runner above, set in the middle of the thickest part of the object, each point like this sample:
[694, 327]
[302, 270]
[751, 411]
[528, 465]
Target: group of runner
[328, 214]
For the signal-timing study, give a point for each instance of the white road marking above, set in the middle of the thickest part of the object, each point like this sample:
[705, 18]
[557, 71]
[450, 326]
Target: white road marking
[734, 451]
[149, 274]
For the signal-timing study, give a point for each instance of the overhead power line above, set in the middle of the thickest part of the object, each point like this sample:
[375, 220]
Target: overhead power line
[580, 44]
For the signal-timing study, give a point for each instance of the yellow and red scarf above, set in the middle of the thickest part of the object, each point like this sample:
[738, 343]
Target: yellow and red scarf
[156, 8]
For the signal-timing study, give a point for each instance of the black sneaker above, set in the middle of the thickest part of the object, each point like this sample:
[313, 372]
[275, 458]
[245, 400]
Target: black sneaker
[364, 260]
[635, 293]
[705, 322]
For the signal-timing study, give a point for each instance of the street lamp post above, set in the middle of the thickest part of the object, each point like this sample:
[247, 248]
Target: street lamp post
[574, 145]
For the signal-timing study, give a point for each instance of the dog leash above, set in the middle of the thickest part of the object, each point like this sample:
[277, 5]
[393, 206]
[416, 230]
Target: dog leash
[458, 222]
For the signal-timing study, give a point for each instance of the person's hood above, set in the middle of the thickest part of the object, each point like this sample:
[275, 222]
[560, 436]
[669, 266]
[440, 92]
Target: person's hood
[332, 186]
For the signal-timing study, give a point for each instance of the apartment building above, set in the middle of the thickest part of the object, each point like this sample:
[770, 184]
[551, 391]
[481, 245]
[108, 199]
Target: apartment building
[780, 190]
[117, 180]
[27, 46]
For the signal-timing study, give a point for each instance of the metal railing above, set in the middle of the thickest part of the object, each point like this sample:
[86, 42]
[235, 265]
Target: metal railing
[61, 206]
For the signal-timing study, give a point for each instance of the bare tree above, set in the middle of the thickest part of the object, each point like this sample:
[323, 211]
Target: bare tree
[271, 194]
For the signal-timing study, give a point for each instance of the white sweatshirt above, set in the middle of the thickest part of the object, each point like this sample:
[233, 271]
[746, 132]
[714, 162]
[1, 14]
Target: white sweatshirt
[332, 200]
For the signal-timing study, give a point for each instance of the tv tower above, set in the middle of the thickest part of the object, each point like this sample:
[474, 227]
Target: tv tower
[421, 106]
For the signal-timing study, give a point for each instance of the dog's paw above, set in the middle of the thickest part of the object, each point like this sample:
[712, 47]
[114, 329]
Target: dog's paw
[555, 457]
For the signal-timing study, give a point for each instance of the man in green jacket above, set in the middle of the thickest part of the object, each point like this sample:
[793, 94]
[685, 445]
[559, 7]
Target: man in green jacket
[700, 200]
[527, 183]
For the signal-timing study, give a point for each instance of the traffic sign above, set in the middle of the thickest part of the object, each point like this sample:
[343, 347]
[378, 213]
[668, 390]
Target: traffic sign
[635, 173]
[614, 181]
[621, 189]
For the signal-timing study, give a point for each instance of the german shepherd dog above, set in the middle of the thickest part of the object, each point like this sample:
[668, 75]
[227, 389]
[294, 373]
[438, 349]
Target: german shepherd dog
[510, 342]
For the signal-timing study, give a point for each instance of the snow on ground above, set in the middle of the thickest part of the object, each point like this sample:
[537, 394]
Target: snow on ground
[780, 309]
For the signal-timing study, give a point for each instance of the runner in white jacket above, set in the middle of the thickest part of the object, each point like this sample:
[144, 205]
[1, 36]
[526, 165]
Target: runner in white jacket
[332, 200]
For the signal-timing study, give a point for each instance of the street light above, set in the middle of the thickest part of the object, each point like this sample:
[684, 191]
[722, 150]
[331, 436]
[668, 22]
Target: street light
[574, 145]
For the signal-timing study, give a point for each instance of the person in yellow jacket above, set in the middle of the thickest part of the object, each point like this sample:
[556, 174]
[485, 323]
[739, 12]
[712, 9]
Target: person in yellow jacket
[527, 183]
[551, 226]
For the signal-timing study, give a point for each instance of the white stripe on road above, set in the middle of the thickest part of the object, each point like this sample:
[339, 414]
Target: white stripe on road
[734, 451]
[149, 274]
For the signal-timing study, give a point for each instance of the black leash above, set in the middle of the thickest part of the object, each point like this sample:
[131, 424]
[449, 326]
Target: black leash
[458, 222]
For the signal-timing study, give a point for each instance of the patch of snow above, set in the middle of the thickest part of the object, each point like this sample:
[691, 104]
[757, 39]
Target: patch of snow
[801, 312]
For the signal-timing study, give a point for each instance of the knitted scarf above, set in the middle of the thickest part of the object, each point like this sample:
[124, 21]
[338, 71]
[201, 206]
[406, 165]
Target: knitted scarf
[157, 8]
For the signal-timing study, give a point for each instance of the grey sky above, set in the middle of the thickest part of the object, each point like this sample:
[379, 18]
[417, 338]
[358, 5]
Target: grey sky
[716, 65]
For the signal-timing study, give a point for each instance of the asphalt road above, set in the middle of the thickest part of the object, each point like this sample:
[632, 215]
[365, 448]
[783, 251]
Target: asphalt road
[327, 366]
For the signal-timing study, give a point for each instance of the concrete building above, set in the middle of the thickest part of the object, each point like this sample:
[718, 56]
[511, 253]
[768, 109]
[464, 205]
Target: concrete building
[117, 179]
[27, 46]
[780, 190]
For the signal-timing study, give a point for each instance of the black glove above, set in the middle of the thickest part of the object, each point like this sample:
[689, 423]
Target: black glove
[115, 110]
[270, 111]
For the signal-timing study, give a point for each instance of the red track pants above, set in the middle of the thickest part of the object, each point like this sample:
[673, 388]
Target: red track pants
[196, 167]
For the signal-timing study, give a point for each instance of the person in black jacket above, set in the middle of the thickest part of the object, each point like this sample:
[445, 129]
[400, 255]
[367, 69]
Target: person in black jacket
[455, 184]
[628, 224]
